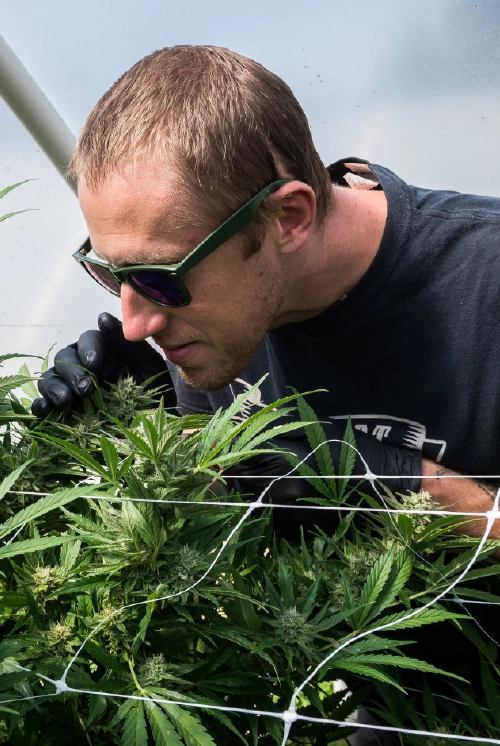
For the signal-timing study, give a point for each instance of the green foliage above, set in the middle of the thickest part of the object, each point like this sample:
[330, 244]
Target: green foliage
[122, 576]
[4, 192]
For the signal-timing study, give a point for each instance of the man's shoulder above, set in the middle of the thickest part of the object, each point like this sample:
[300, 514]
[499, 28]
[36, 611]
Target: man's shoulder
[452, 205]
[363, 174]
[432, 202]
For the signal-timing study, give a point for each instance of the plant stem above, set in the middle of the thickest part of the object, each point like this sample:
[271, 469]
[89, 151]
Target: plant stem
[84, 728]
[139, 687]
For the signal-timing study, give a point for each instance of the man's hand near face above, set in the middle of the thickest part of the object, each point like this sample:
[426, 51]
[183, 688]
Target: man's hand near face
[105, 354]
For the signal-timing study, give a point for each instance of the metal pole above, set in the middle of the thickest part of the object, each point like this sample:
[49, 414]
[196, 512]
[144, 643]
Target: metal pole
[31, 106]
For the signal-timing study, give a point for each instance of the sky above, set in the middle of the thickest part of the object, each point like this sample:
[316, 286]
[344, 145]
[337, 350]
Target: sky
[412, 85]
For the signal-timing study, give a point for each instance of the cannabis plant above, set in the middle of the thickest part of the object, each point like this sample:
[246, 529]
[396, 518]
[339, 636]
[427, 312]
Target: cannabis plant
[144, 601]
[4, 192]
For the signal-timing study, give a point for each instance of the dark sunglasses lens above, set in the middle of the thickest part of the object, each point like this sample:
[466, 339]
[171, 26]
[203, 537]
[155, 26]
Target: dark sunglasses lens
[104, 277]
[159, 286]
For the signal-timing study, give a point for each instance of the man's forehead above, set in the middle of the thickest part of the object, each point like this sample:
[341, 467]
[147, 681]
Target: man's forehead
[141, 216]
[137, 192]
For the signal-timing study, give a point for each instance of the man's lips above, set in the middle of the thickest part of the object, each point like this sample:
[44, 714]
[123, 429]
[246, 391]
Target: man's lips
[180, 353]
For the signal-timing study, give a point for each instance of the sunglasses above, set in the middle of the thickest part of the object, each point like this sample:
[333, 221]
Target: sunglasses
[163, 284]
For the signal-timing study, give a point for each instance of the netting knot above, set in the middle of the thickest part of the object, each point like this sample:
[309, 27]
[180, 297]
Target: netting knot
[60, 686]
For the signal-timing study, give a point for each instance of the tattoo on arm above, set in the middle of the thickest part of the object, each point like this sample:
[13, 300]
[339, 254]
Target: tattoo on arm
[442, 472]
[488, 489]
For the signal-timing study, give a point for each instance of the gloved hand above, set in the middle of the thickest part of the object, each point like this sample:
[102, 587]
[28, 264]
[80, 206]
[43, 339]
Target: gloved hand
[253, 475]
[108, 355]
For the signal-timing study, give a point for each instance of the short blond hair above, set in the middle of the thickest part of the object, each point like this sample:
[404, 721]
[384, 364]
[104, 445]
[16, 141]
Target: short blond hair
[224, 123]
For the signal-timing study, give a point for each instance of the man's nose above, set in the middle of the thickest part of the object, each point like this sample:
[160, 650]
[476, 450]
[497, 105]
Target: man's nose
[141, 317]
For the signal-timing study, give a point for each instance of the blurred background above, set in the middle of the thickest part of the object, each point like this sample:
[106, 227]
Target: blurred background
[413, 85]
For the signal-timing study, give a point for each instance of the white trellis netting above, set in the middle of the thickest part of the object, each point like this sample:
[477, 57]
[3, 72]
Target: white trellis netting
[290, 715]
[441, 110]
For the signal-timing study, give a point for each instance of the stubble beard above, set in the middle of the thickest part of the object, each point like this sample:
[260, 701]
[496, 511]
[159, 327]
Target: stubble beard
[230, 366]
[234, 355]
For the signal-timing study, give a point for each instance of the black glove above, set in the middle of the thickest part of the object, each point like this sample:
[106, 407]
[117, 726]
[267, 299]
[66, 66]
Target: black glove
[382, 459]
[108, 355]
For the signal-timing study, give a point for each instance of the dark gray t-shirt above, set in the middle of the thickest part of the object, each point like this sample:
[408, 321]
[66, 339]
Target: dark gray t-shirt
[412, 354]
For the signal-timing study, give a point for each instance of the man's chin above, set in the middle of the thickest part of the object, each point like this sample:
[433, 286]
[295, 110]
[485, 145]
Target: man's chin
[221, 369]
[209, 379]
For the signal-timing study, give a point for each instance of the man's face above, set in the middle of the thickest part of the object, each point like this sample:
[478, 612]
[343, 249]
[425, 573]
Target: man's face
[135, 218]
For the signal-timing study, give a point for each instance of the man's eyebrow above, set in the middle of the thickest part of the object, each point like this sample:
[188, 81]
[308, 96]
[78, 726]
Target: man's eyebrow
[93, 250]
[102, 258]
[138, 258]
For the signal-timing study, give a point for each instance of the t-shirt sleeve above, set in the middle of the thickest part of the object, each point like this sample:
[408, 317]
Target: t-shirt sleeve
[189, 399]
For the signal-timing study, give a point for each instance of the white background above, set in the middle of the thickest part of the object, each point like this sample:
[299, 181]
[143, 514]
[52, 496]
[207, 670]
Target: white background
[411, 84]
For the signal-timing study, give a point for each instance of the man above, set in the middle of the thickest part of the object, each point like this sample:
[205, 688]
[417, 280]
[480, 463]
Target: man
[343, 279]
[347, 280]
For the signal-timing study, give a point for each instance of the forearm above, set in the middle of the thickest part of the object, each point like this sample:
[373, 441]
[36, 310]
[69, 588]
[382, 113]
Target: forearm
[464, 495]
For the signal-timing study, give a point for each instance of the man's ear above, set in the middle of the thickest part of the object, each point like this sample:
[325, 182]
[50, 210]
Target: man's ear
[295, 204]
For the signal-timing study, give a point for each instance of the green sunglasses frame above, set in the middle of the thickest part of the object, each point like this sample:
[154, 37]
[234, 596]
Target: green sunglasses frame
[235, 223]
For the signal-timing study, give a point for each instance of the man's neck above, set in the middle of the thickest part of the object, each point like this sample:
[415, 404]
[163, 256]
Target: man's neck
[335, 258]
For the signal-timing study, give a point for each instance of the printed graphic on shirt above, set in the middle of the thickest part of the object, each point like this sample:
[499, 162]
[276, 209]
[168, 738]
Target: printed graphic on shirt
[254, 400]
[394, 430]
[398, 432]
